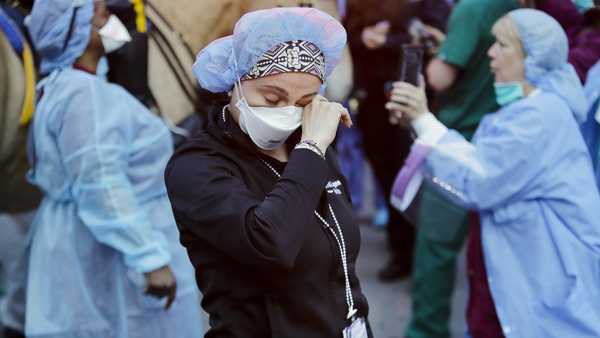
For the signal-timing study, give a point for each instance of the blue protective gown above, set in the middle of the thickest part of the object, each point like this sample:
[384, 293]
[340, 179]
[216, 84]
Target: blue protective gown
[529, 175]
[590, 127]
[98, 156]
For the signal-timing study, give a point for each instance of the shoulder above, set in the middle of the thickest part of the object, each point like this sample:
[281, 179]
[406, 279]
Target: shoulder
[483, 10]
[595, 71]
[471, 5]
[71, 82]
[593, 78]
[65, 96]
[548, 105]
[468, 7]
[201, 155]
[541, 112]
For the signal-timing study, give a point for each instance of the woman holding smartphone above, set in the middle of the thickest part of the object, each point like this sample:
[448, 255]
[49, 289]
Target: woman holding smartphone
[528, 174]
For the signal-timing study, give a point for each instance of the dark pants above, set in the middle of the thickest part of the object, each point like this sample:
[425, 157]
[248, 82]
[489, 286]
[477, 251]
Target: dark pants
[441, 233]
[482, 319]
[386, 147]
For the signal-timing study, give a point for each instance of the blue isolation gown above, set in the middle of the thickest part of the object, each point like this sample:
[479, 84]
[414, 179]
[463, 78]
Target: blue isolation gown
[529, 175]
[98, 156]
[590, 127]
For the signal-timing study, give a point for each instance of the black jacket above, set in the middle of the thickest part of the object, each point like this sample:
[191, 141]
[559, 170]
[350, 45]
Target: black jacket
[264, 263]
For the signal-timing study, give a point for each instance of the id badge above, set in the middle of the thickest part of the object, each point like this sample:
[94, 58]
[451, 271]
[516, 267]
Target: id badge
[358, 329]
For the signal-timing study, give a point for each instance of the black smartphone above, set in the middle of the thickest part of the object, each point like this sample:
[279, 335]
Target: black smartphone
[412, 64]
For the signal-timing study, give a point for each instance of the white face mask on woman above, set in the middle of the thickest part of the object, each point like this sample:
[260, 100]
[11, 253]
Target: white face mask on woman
[113, 34]
[268, 127]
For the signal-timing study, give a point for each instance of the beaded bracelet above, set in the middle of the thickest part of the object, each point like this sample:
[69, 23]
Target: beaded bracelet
[310, 145]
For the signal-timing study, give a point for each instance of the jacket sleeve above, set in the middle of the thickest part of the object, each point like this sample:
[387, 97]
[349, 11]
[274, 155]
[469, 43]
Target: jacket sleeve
[217, 206]
[94, 151]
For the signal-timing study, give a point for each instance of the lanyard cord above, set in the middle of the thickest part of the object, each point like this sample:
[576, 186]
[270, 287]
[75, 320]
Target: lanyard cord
[341, 243]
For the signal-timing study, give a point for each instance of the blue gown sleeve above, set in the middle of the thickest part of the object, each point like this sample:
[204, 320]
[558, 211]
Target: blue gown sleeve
[504, 164]
[94, 151]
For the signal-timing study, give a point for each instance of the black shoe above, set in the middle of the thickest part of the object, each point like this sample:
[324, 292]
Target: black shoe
[10, 333]
[394, 271]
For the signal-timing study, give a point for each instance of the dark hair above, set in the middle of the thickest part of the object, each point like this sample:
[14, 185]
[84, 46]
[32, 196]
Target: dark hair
[369, 12]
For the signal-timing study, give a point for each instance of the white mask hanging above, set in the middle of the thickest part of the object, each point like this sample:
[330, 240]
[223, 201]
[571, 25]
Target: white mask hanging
[113, 34]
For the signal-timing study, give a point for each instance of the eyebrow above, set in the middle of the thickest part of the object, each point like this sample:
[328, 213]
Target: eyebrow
[502, 41]
[277, 89]
[309, 95]
[282, 91]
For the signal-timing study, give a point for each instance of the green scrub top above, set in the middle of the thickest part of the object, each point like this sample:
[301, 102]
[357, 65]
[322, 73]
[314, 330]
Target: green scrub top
[467, 43]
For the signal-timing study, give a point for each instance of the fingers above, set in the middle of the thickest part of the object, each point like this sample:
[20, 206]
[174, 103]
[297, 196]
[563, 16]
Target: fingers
[409, 89]
[169, 292]
[319, 98]
[157, 291]
[315, 102]
[396, 107]
[408, 94]
[405, 96]
[346, 118]
[331, 110]
[344, 115]
[407, 103]
[405, 86]
[171, 296]
[395, 117]
[382, 26]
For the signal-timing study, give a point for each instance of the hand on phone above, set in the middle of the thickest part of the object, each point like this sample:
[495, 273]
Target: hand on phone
[407, 101]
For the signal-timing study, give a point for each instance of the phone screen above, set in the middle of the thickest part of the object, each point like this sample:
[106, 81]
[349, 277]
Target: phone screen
[412, 64]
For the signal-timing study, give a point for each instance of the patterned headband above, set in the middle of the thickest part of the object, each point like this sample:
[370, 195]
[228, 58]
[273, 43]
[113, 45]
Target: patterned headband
[290, 57]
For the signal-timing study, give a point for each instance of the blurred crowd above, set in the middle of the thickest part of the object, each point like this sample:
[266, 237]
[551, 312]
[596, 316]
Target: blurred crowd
[155, 42]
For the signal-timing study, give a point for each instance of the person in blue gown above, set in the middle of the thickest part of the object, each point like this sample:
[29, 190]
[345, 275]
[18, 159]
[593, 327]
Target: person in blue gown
[528, 174]
[105, 259]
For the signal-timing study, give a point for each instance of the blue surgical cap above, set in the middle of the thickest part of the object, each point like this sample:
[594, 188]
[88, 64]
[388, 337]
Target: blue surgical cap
[60, 31]
[547, 52]
[224, 61]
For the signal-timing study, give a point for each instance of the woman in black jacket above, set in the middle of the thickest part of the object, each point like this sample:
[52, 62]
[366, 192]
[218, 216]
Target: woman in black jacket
[261, 204]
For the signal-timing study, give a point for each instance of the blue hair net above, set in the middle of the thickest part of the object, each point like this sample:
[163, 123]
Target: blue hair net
[547, 51]
[256, 33]
[60, 31]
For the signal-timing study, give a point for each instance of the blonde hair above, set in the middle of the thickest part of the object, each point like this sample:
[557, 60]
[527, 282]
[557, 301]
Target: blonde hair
[506, 27]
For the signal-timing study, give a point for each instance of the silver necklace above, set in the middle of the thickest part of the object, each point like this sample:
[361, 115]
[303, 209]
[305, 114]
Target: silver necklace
[341, 243]
[223, 112]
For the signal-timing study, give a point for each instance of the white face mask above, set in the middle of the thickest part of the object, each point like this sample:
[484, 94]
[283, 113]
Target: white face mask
[268, 127]
[113, 34]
